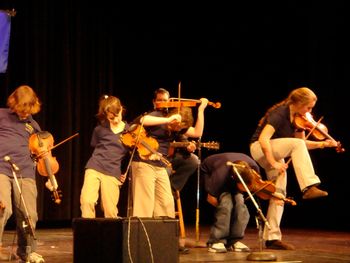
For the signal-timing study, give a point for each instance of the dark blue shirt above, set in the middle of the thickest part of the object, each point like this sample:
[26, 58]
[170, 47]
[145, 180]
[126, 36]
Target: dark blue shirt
[14, 142]
[279, 119]
[109, 151]
[218, 176]
[163, 136]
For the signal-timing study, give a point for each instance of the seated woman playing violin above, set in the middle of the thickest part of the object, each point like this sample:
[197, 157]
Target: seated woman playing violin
[276, 138]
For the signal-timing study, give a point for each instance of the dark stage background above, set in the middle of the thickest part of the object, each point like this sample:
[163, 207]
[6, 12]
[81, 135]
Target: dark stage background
[247, 57]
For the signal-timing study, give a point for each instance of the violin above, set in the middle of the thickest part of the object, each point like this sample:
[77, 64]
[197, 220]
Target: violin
[318, 130]
[40, 145]
[263, 189]
[146, 146]
[186, 119]
[177, 103]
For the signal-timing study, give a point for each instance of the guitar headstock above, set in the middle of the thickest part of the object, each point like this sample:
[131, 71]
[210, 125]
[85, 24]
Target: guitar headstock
[211, 145]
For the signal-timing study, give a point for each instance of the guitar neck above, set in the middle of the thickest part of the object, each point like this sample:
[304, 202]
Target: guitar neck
[179, 144]
[208, 145]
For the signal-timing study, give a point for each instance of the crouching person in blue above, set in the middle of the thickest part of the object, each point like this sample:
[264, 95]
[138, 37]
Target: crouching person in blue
[231, 213]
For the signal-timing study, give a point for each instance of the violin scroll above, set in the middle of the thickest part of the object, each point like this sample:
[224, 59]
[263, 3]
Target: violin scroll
[216, 105]
[318, 130]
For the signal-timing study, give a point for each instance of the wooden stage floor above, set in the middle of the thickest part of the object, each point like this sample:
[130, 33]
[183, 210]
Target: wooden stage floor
[312, 246]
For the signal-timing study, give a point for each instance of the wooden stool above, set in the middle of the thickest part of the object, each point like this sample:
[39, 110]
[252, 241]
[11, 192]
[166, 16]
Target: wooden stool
[179, 214]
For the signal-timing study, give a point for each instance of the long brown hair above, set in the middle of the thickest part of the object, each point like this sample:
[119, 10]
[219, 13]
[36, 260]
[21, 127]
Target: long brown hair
[301, 95]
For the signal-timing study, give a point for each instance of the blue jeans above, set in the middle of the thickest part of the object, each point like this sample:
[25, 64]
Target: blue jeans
[8, 187]
[231, 220]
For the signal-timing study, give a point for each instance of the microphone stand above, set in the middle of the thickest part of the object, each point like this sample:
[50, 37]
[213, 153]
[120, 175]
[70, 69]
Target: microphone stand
[27, 224]
[260, 220]
[198, 188]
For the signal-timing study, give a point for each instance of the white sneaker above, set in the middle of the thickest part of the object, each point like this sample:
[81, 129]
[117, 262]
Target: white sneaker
[34, 258]
[240, 247]
[217, 248]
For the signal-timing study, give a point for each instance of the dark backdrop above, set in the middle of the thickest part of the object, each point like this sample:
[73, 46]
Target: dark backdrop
[247, 57]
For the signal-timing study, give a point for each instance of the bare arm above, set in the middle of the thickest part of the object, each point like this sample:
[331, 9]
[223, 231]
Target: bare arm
[149, 120]
[264, 140]
[197, 130]
[316, 144]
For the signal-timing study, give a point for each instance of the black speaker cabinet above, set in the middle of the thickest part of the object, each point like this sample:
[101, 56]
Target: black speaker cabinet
[125, 240]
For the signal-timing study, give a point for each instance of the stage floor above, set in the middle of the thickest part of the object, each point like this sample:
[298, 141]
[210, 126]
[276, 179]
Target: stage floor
[312, 246]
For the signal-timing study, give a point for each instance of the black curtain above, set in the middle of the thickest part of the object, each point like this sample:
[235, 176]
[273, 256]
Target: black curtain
[246, 57]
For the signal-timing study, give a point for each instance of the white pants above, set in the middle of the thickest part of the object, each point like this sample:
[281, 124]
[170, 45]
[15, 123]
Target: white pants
[95, 183]
[303, 168]
[152, 196]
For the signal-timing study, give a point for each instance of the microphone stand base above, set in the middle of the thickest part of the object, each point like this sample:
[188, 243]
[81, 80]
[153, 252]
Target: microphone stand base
[261, 256]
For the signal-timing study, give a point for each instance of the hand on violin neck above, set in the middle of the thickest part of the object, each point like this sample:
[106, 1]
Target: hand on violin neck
[331, 143]
[204, 103]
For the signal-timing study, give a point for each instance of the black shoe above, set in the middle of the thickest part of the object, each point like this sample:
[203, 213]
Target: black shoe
[183, 250]
[278, 244]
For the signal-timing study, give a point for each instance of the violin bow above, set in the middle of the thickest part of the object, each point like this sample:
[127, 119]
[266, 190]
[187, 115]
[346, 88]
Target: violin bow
[179, 96]
[58, 144]
[308, 135]
[313, 128]
[198, 190]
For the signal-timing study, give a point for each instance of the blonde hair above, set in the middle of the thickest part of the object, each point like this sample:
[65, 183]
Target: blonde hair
[107, 104]
[24, 100]
[301, 95]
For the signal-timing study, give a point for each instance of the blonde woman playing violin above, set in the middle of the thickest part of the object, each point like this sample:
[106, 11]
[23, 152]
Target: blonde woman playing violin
[275, 139]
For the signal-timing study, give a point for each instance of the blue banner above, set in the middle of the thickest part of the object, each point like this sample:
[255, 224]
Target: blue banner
[5, 29]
